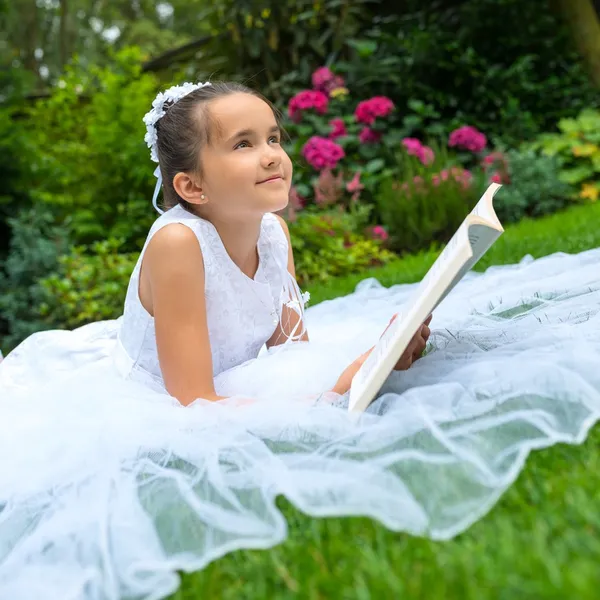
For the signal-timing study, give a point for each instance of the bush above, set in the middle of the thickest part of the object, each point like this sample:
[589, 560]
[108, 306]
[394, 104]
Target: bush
[535, 188]
[91, 163]
[332, 129]
[89, 285]
[577, 149]
[330, 243]
[422, 205]
[462, 60]
[35, 248]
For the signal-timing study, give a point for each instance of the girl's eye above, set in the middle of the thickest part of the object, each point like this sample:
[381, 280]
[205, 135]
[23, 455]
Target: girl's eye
[241, 144]
[275, 139]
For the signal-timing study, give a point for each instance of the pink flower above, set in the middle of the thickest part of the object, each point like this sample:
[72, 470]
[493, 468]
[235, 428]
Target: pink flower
[354, 186]
[368, 136]
[321, 77]
[462, 176]
[492, 158]
[469, 138]
[339, 129]
[427, 155]
[328, 188]
[368, 110]
[322, 153]
[416, 148]
[324, 80]
[500, 162]
[380, 233]
[306, 100]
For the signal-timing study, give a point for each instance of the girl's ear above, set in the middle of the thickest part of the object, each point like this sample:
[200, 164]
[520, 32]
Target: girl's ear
[188, 188]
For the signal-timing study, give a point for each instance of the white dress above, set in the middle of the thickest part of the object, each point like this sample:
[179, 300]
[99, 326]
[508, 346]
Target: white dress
[108, 485]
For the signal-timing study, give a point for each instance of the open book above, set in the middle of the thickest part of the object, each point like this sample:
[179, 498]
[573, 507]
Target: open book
[472, 239]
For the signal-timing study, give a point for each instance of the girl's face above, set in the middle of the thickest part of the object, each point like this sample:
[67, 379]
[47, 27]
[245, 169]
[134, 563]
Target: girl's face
[245, 170]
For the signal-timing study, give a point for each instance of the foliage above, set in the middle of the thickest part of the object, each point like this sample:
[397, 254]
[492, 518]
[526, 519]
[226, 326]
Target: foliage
[535, 188]
[330, 128]
[89, 286]
[277, 45]
[35, 247]
[421, 205]
[462, 64]
[15, 151]
[577, 147]
[330, 243]
[91, 162]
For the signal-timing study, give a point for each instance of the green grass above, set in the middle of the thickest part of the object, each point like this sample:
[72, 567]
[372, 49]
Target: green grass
[542, 540]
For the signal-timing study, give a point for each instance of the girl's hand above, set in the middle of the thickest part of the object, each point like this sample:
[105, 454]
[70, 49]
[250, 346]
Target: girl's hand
[413, 352]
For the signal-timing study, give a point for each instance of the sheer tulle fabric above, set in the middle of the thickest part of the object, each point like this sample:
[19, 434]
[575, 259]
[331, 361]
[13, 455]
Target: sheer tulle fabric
[108, 487]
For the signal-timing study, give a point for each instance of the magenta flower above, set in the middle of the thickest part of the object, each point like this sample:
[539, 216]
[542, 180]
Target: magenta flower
[321, 77]
[306, 100]
[324, 80]
[368, 110]
[339, 129]
[496, 178]
[492, 158]
[369, 136]
[380, 233]
[468, 138]
[414, 147]
[322, 153]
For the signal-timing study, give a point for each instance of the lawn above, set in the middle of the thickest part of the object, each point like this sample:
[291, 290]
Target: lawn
[542, 539]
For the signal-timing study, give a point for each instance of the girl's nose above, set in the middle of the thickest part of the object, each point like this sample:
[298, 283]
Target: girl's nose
[271, 157]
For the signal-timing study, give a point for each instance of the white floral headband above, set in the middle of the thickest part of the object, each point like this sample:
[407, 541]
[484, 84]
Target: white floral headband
[171, 96]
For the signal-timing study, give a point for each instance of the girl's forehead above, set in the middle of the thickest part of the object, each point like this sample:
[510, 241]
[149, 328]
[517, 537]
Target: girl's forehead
[241, 111]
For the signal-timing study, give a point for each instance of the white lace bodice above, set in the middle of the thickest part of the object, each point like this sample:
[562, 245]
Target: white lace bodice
[242, 313]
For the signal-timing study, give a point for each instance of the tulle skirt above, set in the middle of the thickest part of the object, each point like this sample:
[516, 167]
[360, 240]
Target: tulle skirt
[108, 487]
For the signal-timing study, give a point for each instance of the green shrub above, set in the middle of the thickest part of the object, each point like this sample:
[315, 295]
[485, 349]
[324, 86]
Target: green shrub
[535, 188]
[461, 59]
[35, 247]
[423, 205]
[332, 242]
[577, 148]
[90, 285]
[91, 162]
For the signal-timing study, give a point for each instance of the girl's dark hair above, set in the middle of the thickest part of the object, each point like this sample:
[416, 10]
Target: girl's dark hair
[185, 128]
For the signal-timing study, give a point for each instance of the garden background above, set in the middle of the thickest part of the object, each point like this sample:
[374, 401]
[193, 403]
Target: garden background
[398, 115]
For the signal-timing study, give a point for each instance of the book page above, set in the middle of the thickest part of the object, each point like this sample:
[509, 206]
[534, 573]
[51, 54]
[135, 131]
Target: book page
[374, 371]
[470, 242]
[485, 207]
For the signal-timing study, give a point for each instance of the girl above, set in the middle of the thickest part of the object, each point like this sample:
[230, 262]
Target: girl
[215, 281]
[109, 486]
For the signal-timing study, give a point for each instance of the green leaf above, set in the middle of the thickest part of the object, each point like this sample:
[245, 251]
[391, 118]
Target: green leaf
[576, 175]
[364, 48]
[569, 126]
[375, 165]
[552, 145]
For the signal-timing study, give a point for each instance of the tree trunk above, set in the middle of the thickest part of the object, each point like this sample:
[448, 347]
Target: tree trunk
[582, 19]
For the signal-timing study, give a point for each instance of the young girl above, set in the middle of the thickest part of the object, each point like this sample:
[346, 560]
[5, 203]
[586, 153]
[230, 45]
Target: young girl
[109, 486]
[215, 281]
